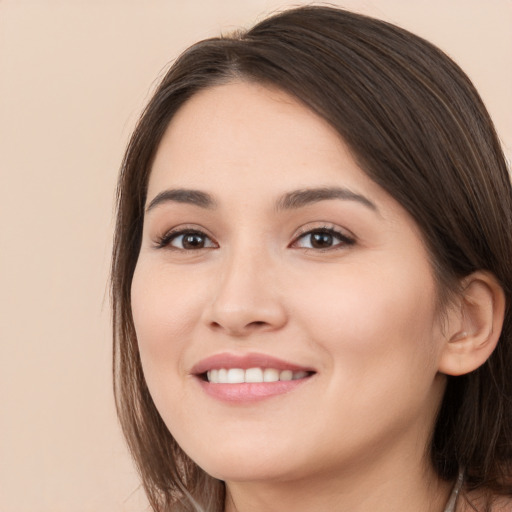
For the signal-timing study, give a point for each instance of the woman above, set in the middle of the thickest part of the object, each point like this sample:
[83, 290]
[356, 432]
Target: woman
[312, 279]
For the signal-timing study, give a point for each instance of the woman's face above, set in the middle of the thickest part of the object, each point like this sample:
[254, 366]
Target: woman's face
[268, 254]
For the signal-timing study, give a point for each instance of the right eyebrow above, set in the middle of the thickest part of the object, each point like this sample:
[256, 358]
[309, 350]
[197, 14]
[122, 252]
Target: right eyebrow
[306, 196]
[183, 195]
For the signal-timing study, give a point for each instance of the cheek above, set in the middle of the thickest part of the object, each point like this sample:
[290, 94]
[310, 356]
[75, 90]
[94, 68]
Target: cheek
[380, 348]
[164, 314]
[379, 314]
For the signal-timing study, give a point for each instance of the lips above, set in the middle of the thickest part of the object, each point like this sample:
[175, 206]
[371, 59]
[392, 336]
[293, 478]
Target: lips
[248, 377]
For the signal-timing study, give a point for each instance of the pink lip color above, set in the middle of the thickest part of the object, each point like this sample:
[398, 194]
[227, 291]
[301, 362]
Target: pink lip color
[246, 392]
[249, 392]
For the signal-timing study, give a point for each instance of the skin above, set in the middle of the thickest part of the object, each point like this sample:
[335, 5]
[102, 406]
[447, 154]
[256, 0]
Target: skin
[363, 314]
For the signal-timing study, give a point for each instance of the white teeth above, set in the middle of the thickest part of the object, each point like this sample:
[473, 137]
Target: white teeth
[238, 375]
[254, 375]
[235, 376]
[286, 375]
[270, 375]
[213, 376]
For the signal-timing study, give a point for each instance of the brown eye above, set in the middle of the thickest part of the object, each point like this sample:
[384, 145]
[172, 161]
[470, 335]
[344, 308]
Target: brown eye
[187, 240]
[323, 239]
[193, 241]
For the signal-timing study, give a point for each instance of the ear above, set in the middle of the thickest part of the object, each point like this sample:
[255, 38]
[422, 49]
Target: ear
[474, 324]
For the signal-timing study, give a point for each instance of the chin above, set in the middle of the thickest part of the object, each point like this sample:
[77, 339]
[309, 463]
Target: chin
[247, 471]
[246, 461]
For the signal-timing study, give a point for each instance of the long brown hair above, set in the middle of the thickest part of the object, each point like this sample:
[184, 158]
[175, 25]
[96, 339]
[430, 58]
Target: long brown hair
[418, 128]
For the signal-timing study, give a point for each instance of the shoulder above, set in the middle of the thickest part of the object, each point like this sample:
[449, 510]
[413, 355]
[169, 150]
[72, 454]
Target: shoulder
[478, 501]
[502, 504]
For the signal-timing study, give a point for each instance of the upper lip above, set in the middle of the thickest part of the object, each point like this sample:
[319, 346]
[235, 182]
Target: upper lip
[244, 361]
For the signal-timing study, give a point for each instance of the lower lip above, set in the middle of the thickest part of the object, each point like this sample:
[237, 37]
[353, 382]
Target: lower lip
[250, 392]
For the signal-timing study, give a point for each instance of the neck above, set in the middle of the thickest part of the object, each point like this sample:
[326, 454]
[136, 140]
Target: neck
[379, 489]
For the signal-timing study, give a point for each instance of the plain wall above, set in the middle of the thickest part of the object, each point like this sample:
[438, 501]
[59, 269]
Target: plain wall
[74, 75]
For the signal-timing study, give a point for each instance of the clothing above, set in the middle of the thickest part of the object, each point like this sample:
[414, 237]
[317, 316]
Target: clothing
[452, 500]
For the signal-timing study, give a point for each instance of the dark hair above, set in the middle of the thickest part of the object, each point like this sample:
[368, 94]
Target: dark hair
[417, 127]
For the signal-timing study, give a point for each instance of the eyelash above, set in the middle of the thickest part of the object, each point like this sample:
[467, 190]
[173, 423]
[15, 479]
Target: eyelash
[344, 240]
[165, 240]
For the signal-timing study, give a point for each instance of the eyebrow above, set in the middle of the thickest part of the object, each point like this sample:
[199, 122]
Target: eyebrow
[289, 201]
[182, 195]
[304, 197]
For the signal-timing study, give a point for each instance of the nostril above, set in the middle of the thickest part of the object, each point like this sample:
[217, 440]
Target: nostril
[257, 324]
[239, 330]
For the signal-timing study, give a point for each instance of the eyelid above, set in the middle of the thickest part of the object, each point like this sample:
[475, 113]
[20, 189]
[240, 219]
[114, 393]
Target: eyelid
[164, 241]
[346, 237]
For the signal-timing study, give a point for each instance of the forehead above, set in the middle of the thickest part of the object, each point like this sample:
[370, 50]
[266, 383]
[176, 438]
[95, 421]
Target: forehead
[247, 135]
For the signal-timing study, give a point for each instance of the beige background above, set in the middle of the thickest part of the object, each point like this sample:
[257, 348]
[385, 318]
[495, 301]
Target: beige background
[74, 75]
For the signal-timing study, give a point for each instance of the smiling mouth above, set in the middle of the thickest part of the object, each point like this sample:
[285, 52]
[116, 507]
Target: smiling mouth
[252, 375]
[239, 386]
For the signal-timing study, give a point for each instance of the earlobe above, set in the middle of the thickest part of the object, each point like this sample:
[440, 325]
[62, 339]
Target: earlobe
[475, 325]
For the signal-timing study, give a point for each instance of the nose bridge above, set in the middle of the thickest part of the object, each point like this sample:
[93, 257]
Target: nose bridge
[246, 297]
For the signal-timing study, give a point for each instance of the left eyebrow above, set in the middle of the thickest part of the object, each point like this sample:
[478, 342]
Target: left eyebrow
[182, 195]
[306, 196]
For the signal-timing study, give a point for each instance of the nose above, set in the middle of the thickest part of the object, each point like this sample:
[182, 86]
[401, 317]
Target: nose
[247, 298]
